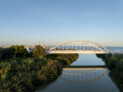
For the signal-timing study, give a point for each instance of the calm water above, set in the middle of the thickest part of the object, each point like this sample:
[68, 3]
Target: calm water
[83, 79]
[115, 49]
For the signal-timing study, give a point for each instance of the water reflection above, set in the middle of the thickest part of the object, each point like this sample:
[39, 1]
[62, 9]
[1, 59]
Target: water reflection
[87, 74]
[83, 74]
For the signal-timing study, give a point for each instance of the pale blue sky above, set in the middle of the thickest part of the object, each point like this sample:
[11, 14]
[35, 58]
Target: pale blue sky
[34, 21]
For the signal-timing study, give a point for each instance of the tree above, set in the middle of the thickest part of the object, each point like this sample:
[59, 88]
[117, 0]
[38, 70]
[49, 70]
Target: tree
[6, 53]
[38, 51]
[18, 50]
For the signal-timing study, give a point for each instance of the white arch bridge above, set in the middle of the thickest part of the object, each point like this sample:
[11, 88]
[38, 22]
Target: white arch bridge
[74, 47]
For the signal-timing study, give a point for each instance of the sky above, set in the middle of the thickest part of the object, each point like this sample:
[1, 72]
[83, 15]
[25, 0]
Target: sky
[58, 21]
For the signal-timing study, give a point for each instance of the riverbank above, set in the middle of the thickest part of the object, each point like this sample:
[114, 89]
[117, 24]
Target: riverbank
[26, 74]
[115, 65]
[23, 71]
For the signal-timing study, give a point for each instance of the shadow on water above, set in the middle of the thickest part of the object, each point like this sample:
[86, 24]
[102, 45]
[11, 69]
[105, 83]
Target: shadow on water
[43, 87]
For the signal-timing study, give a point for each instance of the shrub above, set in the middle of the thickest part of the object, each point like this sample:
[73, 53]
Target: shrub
[115, 65]
[6, 53]
[18, 50]
[38, 52]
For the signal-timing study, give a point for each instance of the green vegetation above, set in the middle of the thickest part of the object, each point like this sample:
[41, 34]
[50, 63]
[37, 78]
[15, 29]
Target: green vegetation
[38, 52]
[27, 74]
[64, 59]
[115, 65]
[15, 51]
[5, 53]
[22, 72]
[18, 51]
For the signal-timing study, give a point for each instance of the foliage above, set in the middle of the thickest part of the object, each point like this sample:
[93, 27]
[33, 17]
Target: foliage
[26, 74]
[18, 50]
[21, 71]
[38, 52]
[115, 65]
[64, 59]
[5, 53]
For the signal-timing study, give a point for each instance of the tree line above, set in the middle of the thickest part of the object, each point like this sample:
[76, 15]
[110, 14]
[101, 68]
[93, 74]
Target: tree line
[19, 51]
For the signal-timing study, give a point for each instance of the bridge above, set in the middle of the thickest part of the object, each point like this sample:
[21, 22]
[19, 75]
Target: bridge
[75, 47]
[83, 74]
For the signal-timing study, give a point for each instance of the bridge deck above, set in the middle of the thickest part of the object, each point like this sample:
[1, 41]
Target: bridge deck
[76, 51]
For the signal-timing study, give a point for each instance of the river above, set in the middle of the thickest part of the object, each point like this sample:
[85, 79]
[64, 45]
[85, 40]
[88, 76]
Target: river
[87, 74]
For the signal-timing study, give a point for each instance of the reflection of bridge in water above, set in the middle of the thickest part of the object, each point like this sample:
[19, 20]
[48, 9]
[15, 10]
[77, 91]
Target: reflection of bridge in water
[83, 74]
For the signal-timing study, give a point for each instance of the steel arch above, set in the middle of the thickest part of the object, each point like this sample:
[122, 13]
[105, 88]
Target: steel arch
[89, 43]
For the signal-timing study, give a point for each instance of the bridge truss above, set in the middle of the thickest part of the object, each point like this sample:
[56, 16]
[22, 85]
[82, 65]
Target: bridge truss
[73, 47]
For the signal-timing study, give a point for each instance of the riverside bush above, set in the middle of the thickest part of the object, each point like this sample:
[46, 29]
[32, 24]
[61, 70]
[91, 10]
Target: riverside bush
[115, 65]
[26, 74]
[22, 72]
[6, 53]
[21, 75]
